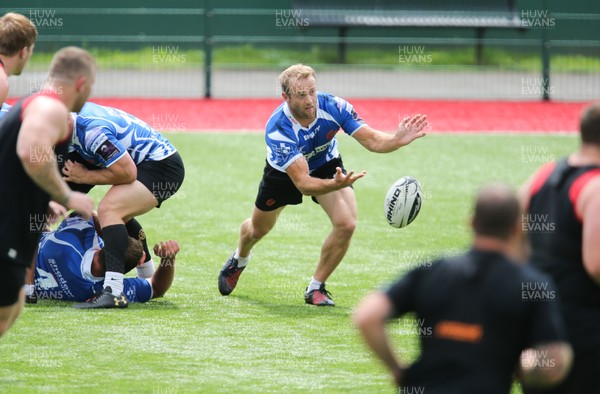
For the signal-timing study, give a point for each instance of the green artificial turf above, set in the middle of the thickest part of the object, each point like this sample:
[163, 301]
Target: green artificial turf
[263, 338]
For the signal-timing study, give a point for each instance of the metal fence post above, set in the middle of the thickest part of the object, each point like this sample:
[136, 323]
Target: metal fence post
[545, 62]
[545, 68]
[207, 50]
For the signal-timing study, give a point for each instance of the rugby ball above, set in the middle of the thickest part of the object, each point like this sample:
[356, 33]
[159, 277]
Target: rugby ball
[403, 202]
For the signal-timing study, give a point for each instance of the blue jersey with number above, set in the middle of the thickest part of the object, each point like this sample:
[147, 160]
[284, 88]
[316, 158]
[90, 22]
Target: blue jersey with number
[102, 135]
[287, 140]
[64, 260]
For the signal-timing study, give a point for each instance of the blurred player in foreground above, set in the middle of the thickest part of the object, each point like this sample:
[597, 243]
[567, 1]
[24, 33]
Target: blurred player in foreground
[70, 265]
[476, 322]
[303, 159]
[112, 147]
[33, 133]
[562, 205]
[17, 39]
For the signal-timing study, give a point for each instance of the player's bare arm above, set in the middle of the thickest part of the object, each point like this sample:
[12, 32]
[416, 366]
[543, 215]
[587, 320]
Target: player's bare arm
[163, 277]
[370, 317]
[122, 171]
[588, 207]
[43, 127]
[409, 129]
[311, 186]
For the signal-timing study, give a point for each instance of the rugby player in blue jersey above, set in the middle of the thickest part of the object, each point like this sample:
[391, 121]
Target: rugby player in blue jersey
[71, 265]
[112, 147]
[303, 159]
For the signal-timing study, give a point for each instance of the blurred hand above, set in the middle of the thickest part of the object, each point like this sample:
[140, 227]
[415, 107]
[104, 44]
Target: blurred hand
[56, 212]
[81, 203]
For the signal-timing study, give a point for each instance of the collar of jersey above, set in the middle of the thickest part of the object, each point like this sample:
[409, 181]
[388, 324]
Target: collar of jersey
[74, 131]
[86, 266]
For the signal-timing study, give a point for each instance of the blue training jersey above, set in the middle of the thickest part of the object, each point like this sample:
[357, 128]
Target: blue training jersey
[102, 135]
[287, 140]
[64, 260]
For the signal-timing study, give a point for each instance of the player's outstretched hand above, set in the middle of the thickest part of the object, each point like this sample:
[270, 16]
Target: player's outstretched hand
[342, 180]
[74, 172]
[166, 249]
[81, 203]
[411, 128]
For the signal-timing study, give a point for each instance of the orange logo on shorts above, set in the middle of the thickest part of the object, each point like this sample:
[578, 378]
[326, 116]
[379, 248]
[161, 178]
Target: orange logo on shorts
[270, 202]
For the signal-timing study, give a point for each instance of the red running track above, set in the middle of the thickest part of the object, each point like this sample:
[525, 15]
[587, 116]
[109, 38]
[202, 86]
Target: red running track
[383, 114]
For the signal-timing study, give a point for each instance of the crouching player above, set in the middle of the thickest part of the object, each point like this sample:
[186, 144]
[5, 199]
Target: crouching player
[111, 147]
[71, 265]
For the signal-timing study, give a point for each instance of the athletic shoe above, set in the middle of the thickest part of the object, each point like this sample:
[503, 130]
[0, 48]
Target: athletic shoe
[32, 298]
[319, 297]
[104, 300]
[229, 275]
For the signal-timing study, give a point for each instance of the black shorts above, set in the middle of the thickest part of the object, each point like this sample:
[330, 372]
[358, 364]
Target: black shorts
[277, 189]
[163, 178]
[12, 279]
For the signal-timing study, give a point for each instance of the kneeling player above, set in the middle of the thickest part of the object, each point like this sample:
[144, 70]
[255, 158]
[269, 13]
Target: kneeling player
[71, 265]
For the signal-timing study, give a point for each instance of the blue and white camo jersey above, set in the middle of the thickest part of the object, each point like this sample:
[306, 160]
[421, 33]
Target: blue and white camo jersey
[64, 261]
[102, 135]
[287, 140]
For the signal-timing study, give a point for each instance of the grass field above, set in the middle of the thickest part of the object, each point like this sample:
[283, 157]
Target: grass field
[263, 338]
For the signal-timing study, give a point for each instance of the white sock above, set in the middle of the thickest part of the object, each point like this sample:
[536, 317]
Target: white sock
[114, 280]
[145, 270]
[242, 261]
[313, 285]
[29, 290]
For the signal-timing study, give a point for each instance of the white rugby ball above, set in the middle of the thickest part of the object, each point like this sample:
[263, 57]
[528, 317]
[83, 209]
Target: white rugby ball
[403, 202]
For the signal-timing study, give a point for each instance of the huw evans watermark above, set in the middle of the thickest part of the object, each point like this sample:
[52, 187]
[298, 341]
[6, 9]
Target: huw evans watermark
[537, 19]
[413, 54]
[290, 19]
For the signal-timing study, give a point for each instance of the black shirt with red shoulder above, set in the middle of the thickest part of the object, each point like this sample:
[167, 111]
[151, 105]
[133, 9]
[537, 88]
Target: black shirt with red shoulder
[555, 232]
[475, 313]
[23, 204]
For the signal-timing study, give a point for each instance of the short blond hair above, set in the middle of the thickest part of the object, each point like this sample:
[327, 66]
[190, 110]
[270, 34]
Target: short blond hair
[293, 74]
[16, 32]
[70, 63]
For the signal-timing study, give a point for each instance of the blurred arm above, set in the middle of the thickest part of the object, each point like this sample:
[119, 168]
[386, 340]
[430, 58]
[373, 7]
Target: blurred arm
[44, 125]
[588, 207]
[370, 317]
